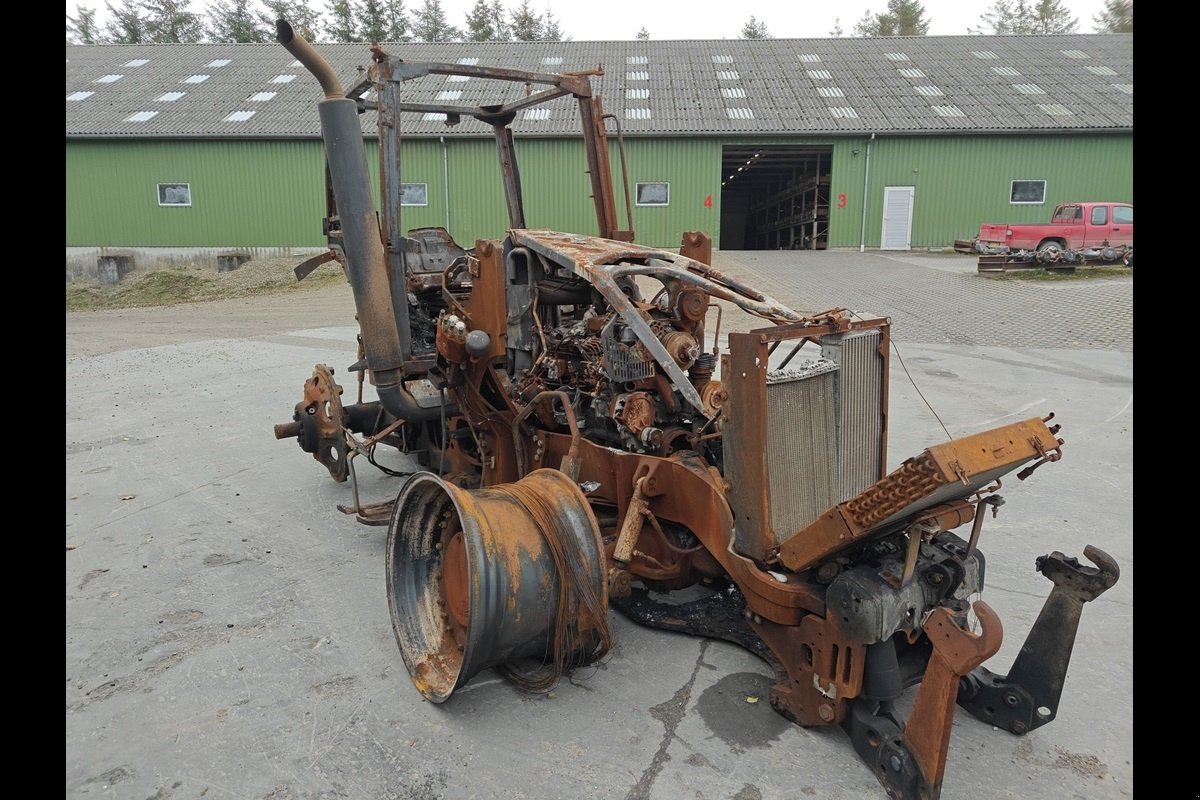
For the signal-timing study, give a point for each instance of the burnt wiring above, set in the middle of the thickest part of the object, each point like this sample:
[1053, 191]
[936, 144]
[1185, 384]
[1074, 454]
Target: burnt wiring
[916, 388]
[369, 450]
[385, 470]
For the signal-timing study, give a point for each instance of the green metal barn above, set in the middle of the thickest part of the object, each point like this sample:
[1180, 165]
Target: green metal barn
[181, 152]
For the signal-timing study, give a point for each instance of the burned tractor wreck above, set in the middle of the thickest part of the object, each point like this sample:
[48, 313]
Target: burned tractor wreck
[588, 438]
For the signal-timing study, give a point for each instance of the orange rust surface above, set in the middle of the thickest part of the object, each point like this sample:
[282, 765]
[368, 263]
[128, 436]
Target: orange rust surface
[696, 245]
[1003, 448]
[485, 307]
[456, 585]
[955, 653]
[982, 452]
[692, 496]
[825, 670]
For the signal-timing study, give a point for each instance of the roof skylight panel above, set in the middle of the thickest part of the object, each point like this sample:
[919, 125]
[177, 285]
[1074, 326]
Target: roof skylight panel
[1055, 109]
[948, 111]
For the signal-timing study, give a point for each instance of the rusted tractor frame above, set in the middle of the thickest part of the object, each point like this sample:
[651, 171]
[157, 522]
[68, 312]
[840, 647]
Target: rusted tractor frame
[583, 445]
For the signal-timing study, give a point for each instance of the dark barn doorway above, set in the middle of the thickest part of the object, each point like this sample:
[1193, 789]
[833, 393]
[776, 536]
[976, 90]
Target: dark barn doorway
[775, 197]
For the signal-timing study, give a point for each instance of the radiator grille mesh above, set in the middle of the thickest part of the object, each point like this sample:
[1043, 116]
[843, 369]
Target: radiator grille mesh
[858, 393]
[802, 451]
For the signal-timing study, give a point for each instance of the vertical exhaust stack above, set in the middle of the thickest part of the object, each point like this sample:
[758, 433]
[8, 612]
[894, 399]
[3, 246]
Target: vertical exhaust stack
[385, 329]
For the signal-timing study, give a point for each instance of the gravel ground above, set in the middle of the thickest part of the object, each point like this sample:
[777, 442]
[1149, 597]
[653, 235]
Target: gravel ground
[202, 282]
[261, 298]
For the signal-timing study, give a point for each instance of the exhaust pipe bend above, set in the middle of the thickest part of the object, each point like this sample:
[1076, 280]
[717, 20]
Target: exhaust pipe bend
[400, 403]
[366, 264]
[310, 58]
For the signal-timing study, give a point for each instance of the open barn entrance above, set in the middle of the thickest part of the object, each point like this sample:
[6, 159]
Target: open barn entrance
[775, 197]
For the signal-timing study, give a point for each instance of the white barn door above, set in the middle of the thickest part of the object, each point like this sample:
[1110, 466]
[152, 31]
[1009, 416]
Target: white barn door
[897, 217]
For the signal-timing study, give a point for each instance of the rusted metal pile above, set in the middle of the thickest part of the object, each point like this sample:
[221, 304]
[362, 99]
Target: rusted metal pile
[585, 446]
[1053, 258]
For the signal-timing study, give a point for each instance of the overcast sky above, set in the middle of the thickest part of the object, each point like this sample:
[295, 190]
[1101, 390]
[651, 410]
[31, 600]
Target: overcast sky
[584, 20]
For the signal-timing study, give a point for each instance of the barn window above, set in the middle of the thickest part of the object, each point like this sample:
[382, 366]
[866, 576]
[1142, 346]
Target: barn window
[1027, 193]
[654, 194]
[174, 194]
[414, 194]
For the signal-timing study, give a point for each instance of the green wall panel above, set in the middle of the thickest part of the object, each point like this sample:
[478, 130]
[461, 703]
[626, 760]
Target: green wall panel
[557, 188]
[271, 193]
[961, 182]
[244, 193]
[693, 169]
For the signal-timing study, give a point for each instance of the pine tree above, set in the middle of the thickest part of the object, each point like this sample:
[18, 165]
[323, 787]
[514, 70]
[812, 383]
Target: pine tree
[233, 21]
[500, 22]
[481, 23]
[1051, 16]
[169, 22]
[526, 26]
[909, 17]
[995, 19]
[1026, 18]
[430, 24]
[837, 27]
[399, 28]
[902, 18]
[126, 24]
[643, 33]
[1117, 17]
[303, 19]
[753, 29]
[81, 28]
[373, 21]
[551, 30]
[342, 25]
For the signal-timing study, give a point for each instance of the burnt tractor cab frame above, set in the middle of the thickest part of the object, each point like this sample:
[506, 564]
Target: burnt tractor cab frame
[586, 442]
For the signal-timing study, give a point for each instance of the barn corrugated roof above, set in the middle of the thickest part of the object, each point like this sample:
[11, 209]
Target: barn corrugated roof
[898, 85]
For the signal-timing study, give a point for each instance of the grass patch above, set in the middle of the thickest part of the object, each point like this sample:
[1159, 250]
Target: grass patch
[1080, 274]
[195, 284]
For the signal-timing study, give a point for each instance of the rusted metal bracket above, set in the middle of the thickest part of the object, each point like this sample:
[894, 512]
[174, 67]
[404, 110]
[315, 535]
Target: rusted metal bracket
[570, 461]
[306, 267]
[632, 525]
[1027, 697]
[995, 501]
[956, 651]
[371, 513]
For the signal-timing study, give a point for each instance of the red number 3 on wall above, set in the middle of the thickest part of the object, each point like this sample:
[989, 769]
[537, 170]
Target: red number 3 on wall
[841, 201]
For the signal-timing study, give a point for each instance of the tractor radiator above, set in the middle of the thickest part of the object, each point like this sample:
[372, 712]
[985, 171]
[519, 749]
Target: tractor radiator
[859, 400]
[799, 440]
[802, 475]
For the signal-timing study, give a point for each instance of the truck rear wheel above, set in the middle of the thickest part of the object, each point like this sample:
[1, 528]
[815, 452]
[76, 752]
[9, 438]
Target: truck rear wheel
[1050, 252]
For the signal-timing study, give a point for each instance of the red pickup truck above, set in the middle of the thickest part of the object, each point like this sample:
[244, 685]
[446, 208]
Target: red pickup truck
[1072, 226]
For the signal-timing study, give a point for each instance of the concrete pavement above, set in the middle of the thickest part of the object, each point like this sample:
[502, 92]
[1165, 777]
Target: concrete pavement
[227, 631]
